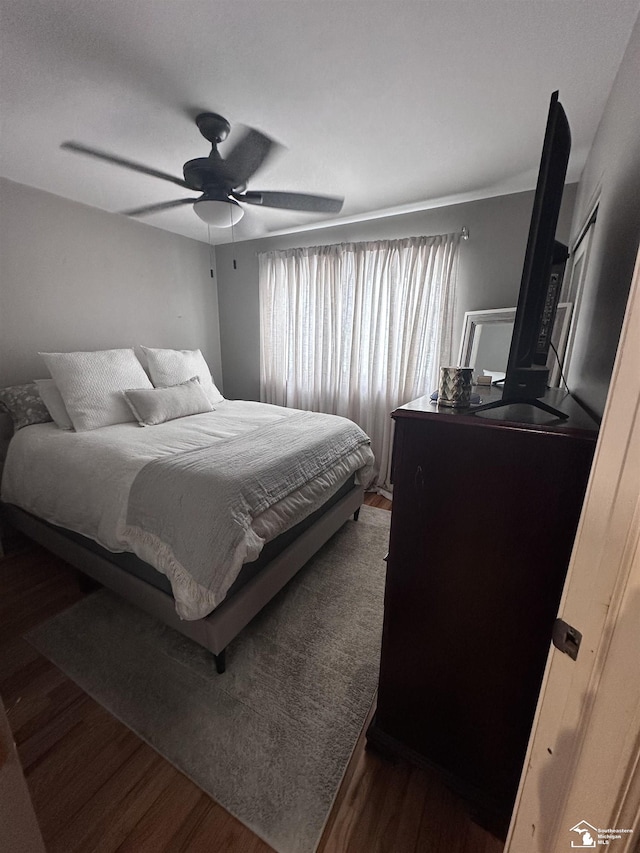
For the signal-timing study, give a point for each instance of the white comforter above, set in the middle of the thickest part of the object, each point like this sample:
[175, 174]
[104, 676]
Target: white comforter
[82, 481]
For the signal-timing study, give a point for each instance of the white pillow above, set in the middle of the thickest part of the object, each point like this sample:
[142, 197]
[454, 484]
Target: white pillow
[173, 366]
[52, 399]
[91, 384]
[156, 405]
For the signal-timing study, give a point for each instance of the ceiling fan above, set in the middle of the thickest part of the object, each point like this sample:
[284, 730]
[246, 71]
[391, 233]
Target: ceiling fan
[222, 182]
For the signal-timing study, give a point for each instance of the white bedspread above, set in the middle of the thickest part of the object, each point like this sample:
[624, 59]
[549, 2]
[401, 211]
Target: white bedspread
[82, 481]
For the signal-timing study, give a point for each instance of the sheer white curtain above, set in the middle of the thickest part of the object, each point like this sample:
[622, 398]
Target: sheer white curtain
[357, 329]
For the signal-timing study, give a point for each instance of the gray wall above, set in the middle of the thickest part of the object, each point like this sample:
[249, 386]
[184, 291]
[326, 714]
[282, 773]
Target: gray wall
[76, 278]
[612, 172]
[489, 271]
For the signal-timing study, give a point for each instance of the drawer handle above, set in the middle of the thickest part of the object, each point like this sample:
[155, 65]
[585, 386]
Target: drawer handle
[418, 479]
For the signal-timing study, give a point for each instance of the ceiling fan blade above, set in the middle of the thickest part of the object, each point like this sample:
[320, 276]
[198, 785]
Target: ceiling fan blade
[246, 157]
[120, 161]
[293, 201]
[156, 208]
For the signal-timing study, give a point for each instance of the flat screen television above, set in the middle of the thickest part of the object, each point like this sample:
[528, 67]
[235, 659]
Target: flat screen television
[527, 374]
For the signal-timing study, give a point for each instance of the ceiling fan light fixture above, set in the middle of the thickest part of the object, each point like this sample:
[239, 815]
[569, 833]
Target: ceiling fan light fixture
[219, 213]
[222, 181]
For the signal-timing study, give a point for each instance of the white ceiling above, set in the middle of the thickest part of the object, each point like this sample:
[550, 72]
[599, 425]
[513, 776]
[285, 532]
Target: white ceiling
[395, 105]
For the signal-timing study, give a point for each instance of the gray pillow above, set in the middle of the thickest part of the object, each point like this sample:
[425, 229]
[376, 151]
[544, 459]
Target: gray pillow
[151, 406]
[24, 404]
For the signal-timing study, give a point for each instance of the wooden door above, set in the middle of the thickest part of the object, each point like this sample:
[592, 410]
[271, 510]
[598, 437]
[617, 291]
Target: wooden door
[583, 761]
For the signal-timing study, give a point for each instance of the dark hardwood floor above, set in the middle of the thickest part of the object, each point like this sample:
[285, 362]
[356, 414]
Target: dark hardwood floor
[96, 786]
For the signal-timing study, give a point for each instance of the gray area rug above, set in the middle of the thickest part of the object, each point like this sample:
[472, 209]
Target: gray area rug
[270, 739]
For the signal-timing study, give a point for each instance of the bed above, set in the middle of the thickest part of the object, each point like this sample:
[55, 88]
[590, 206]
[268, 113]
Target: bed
[194, 519]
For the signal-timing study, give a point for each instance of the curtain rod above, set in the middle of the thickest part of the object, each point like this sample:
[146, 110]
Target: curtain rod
[464, 234]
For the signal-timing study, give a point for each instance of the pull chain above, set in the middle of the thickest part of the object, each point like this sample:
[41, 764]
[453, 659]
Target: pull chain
[232, 234]
[210, 251]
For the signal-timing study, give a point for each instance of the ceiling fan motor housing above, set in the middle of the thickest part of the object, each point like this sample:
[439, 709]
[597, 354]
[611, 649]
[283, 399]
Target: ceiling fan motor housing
[202, 174]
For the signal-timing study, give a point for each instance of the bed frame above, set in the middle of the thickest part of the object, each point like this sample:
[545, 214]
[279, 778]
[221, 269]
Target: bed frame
[216, 630]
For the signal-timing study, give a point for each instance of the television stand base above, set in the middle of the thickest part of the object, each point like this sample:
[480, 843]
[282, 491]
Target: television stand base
[539, 404]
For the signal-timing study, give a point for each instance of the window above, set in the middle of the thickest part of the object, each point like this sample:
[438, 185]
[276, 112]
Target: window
[357, 329]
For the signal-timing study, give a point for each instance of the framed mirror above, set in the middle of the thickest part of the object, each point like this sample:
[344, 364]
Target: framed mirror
[486, 338]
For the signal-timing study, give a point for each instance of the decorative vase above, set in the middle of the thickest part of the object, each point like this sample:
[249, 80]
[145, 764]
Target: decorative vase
[455, 386]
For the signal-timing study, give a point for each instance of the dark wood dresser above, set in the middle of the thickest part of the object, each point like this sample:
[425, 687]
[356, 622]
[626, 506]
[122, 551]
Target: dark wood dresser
[485, 510]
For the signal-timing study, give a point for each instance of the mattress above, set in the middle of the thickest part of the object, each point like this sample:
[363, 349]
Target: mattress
[82, 481]
[143, 571]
